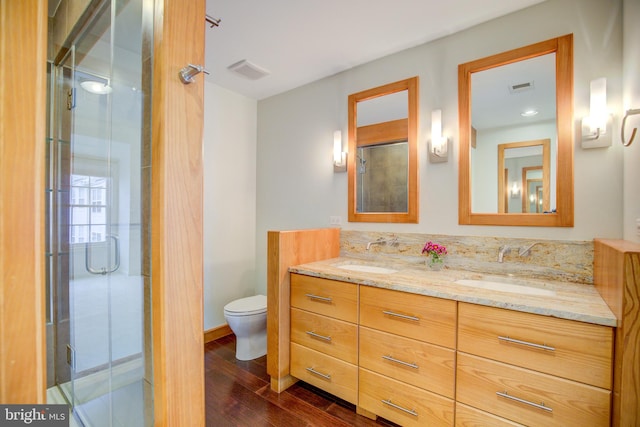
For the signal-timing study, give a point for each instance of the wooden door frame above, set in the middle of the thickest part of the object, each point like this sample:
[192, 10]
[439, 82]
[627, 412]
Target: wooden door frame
[176, 242]
[23, 76]
[176, 223]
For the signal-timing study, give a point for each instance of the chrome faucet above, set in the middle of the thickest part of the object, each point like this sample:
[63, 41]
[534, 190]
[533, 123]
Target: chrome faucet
[502, 252]
[526, 250]
[382, 241]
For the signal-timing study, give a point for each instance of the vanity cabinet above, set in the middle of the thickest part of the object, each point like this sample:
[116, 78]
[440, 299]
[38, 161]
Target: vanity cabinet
[532, 369]
[324, 334]
[420, 360]
[407, 357]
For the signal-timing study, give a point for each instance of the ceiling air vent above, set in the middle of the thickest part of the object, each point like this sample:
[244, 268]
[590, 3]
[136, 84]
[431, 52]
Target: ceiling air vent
[248, 70]
[521, 87]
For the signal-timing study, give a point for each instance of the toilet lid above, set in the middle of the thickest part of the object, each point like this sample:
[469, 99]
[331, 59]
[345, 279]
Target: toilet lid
[246, 306]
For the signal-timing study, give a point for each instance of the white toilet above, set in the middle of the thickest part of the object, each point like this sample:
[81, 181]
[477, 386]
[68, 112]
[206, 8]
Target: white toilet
[247, 318]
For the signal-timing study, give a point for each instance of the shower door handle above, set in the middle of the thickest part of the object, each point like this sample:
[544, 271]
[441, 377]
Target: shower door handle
[103, 270]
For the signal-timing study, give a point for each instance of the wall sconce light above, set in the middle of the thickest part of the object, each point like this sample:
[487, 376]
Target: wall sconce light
[515, 190]
[339, 156]
[438, 145]
[596, 128]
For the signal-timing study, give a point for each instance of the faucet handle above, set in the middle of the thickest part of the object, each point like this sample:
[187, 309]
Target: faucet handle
[505, 249]
[527, 249]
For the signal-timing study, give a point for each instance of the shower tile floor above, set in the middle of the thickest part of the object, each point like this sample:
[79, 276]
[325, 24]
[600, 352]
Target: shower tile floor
[107, 314]
[119, 409]
[107, 318]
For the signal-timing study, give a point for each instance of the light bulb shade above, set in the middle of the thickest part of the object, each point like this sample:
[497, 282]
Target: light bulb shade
[596, 128]
[598, 104]
[438, 145]
[339, 156]
[337, 146]
[436, 126]
[515, 190]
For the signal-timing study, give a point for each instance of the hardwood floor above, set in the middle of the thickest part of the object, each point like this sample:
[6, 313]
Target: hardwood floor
[238, 394]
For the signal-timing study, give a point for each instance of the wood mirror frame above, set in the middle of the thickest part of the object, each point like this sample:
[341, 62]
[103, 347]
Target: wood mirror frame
[380, 133]
[563, 217]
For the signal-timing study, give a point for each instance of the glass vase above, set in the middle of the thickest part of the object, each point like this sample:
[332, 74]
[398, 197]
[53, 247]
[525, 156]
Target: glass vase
[435, 264]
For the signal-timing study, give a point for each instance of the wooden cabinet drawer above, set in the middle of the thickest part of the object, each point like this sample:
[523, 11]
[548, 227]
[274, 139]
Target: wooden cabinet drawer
[574, 350]
[402, 403]
[414, 316]
[334, 337]
[327, 297]
[466, 416]
[545, 400]
[414, 362]
[328, 373]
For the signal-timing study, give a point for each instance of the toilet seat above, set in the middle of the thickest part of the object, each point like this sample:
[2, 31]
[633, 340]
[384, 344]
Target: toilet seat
[247, 306]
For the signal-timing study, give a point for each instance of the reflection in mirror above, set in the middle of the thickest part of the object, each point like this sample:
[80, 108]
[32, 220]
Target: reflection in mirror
[382, 178]
[521, 95]
[515, 101]
[519, 163]
[383, 135]
[533, 197]
[394, 106]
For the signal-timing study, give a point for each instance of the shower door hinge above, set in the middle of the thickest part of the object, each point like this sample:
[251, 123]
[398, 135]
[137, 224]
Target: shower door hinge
[71, 98]
[71, 357]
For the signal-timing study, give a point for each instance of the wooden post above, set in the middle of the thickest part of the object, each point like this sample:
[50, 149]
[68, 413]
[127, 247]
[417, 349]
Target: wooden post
[23, 76]
[616, 275]
[176, 207]
[287, 248]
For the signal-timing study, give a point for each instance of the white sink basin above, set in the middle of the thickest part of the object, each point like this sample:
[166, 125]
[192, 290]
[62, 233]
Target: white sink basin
[504, 287]
[367, 268]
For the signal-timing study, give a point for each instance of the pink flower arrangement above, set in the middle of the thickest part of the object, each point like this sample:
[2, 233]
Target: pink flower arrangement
[434, 250]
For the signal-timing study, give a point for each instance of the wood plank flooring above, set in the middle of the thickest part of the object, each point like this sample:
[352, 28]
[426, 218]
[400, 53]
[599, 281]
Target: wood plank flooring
[238, 394]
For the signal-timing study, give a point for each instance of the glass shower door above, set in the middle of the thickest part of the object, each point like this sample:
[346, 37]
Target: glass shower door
[100, 219]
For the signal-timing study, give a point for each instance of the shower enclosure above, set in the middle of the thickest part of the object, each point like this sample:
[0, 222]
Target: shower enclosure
[98, 185]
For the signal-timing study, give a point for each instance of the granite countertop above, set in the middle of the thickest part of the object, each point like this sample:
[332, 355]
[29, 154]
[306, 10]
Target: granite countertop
[573, 301]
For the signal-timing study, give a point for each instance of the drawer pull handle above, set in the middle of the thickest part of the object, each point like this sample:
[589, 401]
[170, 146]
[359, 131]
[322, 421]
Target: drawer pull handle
[322, 337]
[318, 297]
[393, 405]
[403, 316]
[320, 374]
[393, 359]
[529, 344]
[526, 402]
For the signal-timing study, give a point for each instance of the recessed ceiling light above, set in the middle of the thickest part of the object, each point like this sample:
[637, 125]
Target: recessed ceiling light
[529, 113]
[98, 88]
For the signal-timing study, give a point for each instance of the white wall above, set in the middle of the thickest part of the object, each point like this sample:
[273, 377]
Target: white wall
[631, 99]
[296, 184]
[229, 200]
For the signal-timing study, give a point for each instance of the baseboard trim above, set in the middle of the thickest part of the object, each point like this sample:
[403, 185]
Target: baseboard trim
[217, 332]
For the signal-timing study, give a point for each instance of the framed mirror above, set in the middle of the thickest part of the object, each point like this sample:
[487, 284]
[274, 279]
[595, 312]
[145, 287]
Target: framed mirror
[383, 164]
[517, 96]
